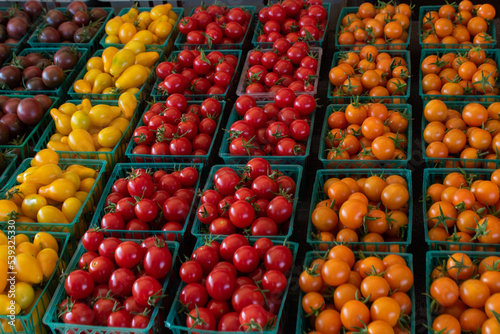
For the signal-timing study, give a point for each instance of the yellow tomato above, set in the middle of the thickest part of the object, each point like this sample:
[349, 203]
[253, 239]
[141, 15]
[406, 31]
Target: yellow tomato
[45, 174]
[112, 39]
[81, 195]
[20, 238]
[47, 259]
[5, 306]
[81, 120]
[24, 219]
[7, 328]
[101, 115]
[82, 171]
[107, 57]
[172, 15]
[113, 25]
[32, 203]
[59, 190]
[45, 157]
[121, 123]
[61, 121]
[102, 81]
[67, 108]
[110, 92]
[147, 59]
[144, 19]
[95, 62]
[19, 192]
[81, 141]
[158, 11]
[91, 76]
[87, 185]
[163, 29]
[134, 76]
[45, 240]
[27, 248]
[58, 146]
[3, 239]
[126, 32]
[86, 105]
[109, 136]
[128, 103]
[96, 141]
[73, 177]
[51, 215]
[133, 90]
[8, 209]
[24, 294]
[144, 36]
[70, 208]
[28, 269]
[56, 137]
[121, 61]
[136, 46]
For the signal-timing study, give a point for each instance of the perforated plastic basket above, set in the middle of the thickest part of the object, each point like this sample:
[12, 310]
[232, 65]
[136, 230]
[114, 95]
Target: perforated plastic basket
[10, 167]
[332, 164]
[295, 172]
[318, 195]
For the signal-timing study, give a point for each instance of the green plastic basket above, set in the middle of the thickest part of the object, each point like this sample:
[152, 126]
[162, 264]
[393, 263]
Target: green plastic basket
[493, 54]
[120, 171]
[10, 167]
[433, 175]
[318, 195]
[204, 159]
[159, 96]
[167, 46]
[425, 9]
[31, 320]
[332, 164]
[56, 326]
[348, 47]
[276, 160]
[269, 45]
[456, 162]
[176, 320]
[112, 157]
[181, 43]
[435, 258]
[63, 89]
[302, 322]
[91, 45]
[395, 99]
[295, 172]
[79, 225]
[26, 147]
[23, 42]
[141, 95]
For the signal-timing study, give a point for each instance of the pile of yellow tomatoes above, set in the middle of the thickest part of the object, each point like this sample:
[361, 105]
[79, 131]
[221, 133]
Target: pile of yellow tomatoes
[149, 27]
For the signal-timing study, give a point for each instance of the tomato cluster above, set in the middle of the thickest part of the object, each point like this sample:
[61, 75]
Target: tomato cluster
[467, 25]
[177, 128]
[370, 293]
[215, 24]
[235, 286]
[294, 20]
[287, 65]
[465, 294]
[367, 132]
[279, 128]
[16, 21]
[474, 73]
[260, 200]
[464, 209]
[379, 24]
[469, 134]
[194, 73]
[117, 283]
[143, 202]
[368, 210]
[369, 73]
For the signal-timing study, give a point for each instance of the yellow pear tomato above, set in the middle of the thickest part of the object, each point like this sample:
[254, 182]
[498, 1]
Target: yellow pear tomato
[121, 123]
[8, 209]
[27, 248]
[134, 76]
[59, 190]
[24, 294]
[101, 115]
[81, 141]
[126, 32]
[81, 195]
[95, 62]
[44, 175]
[45, 157]
[28, 269]
[113, 26]
[45, 240]
[32, 203]
[5, 306]
[87, 184]
[82, 171]
[47, 259]
[70, 208]
[51, 215]
[102, 81]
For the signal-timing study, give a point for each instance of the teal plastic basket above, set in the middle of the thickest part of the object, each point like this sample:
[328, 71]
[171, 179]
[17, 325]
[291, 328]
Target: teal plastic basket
[26, 147]
[456, 162]
[295, 172]
[348, 47]
[302, 325]
[332, 164]
[493, 54]
[10, 167]
[30, 321]
[120, 171]
[49, 52]
[112, 157]
[426, 9]
[158, 96]
[23, 42]
[79, 225]
[141, 95]
[91, 45]
[268, 96]
[167, 46]
[276, 160]
[155, 325]
[434, 175]
[394, 99]
[181, 43]
[204, 159]
[318, 195]
[269, 45]
[176, 320]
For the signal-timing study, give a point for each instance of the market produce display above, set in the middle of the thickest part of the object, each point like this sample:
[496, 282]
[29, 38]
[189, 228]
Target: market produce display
[16, 22]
